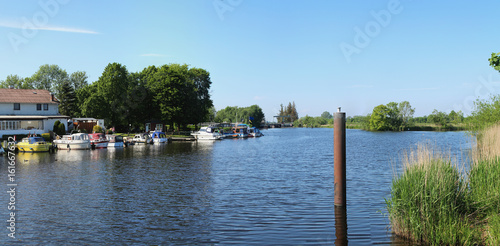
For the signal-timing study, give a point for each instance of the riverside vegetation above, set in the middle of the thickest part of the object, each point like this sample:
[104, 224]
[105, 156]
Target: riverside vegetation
[436, 201]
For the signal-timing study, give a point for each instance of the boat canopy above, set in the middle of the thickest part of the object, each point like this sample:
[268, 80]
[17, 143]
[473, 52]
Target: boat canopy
[33, 140]
[158, 135]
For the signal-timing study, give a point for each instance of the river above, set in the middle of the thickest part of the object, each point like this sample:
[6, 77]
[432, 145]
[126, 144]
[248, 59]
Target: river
[275, 190]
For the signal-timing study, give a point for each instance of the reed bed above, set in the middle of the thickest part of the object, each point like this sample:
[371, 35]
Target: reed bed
[432, 202]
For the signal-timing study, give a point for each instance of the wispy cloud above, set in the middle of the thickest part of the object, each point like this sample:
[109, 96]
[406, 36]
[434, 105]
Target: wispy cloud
[419, 89]
[15, 25]
[258, 98]
[154, 55]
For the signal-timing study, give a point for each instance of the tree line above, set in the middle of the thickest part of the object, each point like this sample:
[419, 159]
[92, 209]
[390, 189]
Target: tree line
[175, 94]
[252, 115]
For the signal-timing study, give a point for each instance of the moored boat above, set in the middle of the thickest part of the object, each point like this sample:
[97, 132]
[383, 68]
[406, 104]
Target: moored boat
[142, 138]
[115, 141]
[254, 132]
[33, 144]
[73, 141]
[239, 131]
[159, 137]
[98, 140]
[208, 133]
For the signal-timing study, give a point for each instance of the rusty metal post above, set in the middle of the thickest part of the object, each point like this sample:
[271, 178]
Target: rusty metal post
[339, 155]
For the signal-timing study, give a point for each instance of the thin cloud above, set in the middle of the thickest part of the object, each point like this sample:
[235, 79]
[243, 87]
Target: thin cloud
[46, 28]
[419, 89]
[257, 98]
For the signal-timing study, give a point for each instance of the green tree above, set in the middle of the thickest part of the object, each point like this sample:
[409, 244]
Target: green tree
[15, 81]
[380, 118]
[486, 113]
[439, 118]
[326, 115]
[495, 61]
[78, 80]
[112, 89]
[49, 77]
[405, 114]
[67, 98]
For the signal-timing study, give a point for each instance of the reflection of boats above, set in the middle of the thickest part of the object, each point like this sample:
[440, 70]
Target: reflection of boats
[159, 137]
[73, 141]
[208, 133]
[31, 158]
[33, 144]
[254, 132]
[142, 138]
[115, 140]
[98, 140]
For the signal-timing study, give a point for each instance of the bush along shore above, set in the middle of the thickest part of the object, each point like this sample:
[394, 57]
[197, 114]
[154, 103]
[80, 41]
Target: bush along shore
[436, 202]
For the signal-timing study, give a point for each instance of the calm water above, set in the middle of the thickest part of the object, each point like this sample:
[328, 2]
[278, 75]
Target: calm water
[276, 190]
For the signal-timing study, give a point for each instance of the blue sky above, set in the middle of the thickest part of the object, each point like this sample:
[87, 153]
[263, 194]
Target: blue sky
[321, 54]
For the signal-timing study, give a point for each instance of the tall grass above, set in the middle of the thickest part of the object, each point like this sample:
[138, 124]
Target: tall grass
[432, 202]
[428, 200]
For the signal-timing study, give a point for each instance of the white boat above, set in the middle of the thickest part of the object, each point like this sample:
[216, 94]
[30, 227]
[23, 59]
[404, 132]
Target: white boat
[98, 140]
[73, 141]
[159, 137]
[208, 133]
[254, 132]
[142, 138]
[114, 141]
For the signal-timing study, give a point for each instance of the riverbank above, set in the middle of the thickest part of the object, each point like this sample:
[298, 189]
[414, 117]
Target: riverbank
[417, 127]
[432, 202]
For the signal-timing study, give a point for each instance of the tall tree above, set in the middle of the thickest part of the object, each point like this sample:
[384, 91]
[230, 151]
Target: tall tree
[49, 77]
[379, 120]
[67, 97]
[405, 113]
[326, 115]
[112, 88]
[78, 79]
[15, 81]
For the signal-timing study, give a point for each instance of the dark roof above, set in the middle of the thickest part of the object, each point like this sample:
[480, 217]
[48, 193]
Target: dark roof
[26, 96]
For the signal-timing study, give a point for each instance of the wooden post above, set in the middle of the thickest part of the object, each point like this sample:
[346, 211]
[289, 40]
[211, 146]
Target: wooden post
[339, 155]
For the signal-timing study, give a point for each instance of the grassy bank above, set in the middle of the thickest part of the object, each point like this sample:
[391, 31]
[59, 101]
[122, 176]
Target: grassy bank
[432, 202]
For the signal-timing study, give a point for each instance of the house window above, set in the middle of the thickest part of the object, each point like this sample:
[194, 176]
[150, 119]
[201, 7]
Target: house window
[17, 106]
[45, 107]
[39, 107]
[159, 127]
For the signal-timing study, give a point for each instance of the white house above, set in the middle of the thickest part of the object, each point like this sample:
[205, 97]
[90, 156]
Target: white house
[24, 111]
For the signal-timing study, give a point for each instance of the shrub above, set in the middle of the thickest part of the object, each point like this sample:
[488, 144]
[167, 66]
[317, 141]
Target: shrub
[46, 136]
[97, 129]
[59, 128]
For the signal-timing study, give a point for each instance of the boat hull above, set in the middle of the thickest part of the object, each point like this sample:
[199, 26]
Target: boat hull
[34, 147]
[76, 146]
[160, 140]
[115, 144]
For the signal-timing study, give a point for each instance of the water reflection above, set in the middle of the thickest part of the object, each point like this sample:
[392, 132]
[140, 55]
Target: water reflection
[272, 190]
[340, 226]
